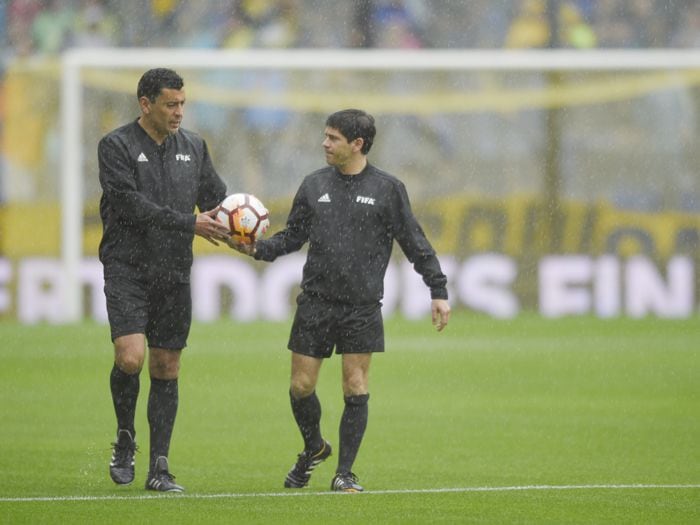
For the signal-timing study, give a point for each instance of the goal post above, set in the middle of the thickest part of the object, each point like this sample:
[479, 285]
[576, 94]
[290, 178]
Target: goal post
[423, 62]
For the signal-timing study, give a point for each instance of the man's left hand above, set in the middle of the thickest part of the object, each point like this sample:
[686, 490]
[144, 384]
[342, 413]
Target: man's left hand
[441, 313]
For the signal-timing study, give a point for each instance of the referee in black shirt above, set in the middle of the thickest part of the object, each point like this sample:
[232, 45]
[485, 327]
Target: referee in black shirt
[153, 173]
[349, 212]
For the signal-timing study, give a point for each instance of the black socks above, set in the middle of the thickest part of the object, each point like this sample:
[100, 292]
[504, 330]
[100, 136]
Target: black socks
[307, 413]
[125, 391]
[352, 428]
[162, 409]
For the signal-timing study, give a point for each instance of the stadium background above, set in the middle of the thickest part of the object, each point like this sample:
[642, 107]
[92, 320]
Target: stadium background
[519, 163]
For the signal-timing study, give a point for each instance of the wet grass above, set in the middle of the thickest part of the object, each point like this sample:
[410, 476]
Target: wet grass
[530, 421]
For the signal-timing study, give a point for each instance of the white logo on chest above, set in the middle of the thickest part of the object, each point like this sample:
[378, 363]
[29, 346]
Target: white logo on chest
[182, 157]
[365, 200]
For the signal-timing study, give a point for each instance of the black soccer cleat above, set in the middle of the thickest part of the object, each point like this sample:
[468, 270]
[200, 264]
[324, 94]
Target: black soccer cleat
[346, 482]
[121, 468]
[160, 479]
[298, 477]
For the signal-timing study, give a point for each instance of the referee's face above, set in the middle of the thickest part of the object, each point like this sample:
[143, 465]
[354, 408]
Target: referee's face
[164, 116]
[339, 152]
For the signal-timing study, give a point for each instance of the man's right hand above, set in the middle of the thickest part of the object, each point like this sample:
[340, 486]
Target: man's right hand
[209, 228]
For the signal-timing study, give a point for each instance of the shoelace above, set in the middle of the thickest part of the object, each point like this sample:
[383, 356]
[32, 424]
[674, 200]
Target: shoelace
[122, 449]
[352, 478]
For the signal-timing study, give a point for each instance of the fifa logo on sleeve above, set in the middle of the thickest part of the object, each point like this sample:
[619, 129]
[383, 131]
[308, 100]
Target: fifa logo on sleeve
[182, 157]
[365, 200]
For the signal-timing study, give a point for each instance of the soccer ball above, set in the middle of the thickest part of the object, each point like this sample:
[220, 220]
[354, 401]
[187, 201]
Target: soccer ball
[246, 217]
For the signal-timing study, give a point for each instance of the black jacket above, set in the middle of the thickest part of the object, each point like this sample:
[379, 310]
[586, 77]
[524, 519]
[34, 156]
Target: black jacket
[350, 222]
[149, 196]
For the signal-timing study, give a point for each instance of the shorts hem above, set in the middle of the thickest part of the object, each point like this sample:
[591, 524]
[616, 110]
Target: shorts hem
[330, 354]
[167, 346]
[122, 333]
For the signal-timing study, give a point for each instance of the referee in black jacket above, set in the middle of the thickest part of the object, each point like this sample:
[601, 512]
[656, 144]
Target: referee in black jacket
[153, 173]
[349, 212]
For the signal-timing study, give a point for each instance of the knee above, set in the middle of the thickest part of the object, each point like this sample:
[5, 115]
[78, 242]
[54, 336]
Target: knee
[301, 387]
[355, 386]
[129, 353]
[129, 362]
[165, 369]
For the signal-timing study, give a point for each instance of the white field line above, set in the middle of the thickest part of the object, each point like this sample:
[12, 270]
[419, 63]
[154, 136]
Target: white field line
[303, 493]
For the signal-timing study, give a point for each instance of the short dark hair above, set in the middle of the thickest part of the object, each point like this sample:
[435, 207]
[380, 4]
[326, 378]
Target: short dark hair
[354, 123]
[154, 80]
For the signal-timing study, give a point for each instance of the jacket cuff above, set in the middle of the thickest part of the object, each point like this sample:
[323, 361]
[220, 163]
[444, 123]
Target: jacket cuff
[190, 222]
[438, 293]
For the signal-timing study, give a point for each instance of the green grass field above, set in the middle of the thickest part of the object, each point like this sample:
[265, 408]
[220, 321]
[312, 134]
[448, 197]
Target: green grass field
[524, 421]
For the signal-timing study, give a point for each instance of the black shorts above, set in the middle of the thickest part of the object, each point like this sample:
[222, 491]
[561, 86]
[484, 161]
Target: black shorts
[160, 308]
[320, 325]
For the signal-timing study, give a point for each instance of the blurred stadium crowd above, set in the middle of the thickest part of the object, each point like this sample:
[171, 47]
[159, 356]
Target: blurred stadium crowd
[31, 27]
[494, 151]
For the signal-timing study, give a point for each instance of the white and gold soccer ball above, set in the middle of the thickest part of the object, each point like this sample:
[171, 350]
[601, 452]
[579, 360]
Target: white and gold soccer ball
[245, 215]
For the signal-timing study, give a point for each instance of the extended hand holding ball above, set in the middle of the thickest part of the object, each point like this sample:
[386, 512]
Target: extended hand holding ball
[246, 217]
